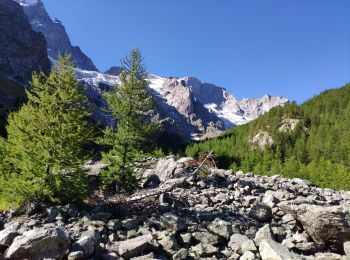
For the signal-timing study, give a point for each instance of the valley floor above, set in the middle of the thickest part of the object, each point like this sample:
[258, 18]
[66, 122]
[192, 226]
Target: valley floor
[226, 216]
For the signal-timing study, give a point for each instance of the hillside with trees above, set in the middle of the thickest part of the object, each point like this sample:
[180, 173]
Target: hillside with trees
[310, 141]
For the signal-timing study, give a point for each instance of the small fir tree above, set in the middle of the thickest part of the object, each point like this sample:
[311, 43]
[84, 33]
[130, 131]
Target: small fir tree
[131, 104]
[44, 149]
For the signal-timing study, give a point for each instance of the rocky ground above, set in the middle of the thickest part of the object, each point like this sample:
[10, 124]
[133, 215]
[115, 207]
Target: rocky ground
[227, 216]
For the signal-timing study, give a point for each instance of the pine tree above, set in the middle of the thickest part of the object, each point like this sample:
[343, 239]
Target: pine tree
[131, 104]
[44, 149]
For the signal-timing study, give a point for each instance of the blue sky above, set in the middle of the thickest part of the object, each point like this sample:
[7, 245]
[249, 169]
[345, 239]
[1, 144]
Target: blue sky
[294, 48]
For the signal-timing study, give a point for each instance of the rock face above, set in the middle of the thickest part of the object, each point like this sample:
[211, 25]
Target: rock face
[114, 71]
[55, 34]
[226, 216]
[22, 50]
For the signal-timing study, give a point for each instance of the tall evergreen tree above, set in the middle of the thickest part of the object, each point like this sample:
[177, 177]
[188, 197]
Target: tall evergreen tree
[131, 104]
[44, 149]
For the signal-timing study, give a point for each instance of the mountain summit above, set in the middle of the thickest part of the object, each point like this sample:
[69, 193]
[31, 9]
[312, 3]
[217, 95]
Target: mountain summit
[188, 108]
[55, 34]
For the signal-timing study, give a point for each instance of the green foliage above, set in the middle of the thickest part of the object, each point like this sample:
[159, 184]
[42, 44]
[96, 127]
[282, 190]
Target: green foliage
[42, 156]
[131, 104]
[317, 149]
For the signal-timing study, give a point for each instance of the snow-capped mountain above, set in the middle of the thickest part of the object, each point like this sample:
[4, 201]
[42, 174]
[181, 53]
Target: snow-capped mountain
[218, 100]
[187, 107]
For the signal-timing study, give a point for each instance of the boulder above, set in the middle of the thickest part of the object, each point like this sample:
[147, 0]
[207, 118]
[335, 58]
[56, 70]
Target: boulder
[264, 233]
[248, 256]
[236, 241]
[173, 222]
[221, 228]
[168, 242]
[88, 242]
[135, 246]
[203, 236]
[182, 254]
[327, 225]
[271, 250]
[202, 250]
[39, 243]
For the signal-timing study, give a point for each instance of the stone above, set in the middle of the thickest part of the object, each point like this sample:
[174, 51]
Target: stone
[221, 228]
[76, 255]
[173, 222]
[202, 250]
[261, 213]
[236, 241]
[113, 246]
[135, 246]
[248, 246]
[130, 223]
[114, 224]
[110, 256]
[165, 169]
[248, 256]
[101, 216]
[168, 242]
[203, 236]
[271, 250]
[288, 242]
[39, 243]
[88, 242]
[182, 254]
[145, 257]
[186, 238]
[264, 233]
[327, 225]
[347, 248]
[7, 235]
[328, 256]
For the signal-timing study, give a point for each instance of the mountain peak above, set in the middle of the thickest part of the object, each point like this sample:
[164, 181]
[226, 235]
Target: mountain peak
[55, 34]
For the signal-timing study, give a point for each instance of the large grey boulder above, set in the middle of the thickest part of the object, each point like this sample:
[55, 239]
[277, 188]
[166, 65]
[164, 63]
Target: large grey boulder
[327, 225]
[39, 243]
[135, 246]
[271, 250]
[165, 169]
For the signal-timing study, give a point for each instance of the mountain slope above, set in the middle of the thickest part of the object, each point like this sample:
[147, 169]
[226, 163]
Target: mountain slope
[310, 141]
[188, 108]
[56, 36]
[22, 51]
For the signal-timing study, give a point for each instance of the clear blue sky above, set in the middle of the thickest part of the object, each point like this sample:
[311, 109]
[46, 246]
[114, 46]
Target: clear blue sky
[294, 48]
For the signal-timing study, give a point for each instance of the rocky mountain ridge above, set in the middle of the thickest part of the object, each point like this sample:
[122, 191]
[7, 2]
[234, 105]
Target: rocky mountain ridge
[188, 108]
[55, 34]
[223, 216]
